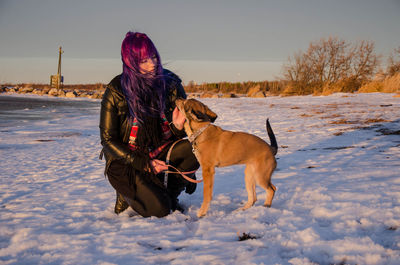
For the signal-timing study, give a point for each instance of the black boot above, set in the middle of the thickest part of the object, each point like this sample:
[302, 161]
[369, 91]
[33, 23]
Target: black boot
[175, 205]
[120, 204]
[191, 187]
[176, 185]
[173, 195]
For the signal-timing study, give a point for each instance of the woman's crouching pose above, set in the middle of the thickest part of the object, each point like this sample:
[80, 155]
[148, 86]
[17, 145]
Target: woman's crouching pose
[138, 124]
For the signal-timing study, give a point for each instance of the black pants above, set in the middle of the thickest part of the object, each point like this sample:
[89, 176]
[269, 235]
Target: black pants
[150, 199]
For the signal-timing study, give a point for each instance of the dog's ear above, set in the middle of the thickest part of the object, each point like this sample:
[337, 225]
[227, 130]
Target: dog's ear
[200, 116]
[211, 114]
[201, 112]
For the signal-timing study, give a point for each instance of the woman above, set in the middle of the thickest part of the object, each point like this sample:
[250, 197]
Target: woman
[138, 124]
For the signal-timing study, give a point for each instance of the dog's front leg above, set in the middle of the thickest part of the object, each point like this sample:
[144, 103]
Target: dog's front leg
[208, 178]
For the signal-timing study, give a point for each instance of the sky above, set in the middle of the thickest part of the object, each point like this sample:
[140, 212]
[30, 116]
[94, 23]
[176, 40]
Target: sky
[203, 41]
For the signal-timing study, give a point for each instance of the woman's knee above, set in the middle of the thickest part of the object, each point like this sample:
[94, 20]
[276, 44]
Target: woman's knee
[183, 157]
[151, 200]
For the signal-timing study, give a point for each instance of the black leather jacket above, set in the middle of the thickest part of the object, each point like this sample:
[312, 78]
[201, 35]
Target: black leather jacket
[114, 125]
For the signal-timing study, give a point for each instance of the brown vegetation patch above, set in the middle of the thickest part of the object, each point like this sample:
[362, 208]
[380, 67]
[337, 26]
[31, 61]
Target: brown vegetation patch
[208, 95]
[343, 121]
[332, 106]
[372, 127]
[374, 86]
[375, 120]
[333, 116]
[318, 112]
[367, 121]
[392, 84]
[386, 131]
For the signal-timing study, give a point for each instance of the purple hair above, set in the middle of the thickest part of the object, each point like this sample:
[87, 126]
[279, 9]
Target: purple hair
[145, 93]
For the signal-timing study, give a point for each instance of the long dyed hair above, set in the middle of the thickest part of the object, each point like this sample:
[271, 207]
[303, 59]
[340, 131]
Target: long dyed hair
[145, 93]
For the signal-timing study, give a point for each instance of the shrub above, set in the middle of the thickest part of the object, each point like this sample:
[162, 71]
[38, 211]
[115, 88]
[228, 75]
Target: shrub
[392, 84]
[394, 62]
[371, 87]
[330, 65]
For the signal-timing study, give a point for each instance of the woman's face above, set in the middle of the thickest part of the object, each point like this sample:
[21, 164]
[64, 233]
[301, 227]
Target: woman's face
[148, 65]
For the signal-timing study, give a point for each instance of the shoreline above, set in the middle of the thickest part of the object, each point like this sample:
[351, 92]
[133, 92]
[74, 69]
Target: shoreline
[53, 92]
[98, 93]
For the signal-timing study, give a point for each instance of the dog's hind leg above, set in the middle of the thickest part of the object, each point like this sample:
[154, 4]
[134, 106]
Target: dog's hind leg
[265, 183]
[249, 174]
[208, 178]
[270, 190]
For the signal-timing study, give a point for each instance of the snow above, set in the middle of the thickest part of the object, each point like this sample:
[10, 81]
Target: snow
[337, 199]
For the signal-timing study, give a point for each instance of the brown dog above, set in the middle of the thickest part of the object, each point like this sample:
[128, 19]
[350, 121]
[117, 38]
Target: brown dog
[215, 147]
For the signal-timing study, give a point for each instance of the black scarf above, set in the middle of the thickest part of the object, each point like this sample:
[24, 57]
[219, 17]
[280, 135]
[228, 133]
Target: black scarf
[149, 137]
[150, 133]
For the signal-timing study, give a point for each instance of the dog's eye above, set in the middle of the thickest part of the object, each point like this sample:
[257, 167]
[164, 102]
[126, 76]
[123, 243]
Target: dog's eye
[186, 107]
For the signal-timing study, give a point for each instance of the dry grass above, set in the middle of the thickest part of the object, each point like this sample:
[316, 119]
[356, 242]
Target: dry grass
[374, 86]
[345, 86]
[392, 84]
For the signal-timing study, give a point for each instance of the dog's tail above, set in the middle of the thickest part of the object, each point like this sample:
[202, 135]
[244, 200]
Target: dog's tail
[274, 144]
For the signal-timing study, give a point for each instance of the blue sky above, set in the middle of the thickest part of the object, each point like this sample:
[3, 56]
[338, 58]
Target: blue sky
[204, 41]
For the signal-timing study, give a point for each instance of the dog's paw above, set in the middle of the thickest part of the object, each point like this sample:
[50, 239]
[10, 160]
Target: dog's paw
[244, 207]
[200, 213]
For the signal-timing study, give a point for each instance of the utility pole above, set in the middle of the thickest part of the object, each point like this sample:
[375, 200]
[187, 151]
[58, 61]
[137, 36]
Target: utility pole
[56, 81]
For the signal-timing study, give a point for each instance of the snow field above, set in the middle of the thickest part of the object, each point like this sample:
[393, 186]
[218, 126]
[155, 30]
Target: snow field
[337, 199]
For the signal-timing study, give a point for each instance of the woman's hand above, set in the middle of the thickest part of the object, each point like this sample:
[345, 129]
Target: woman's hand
[178, 119]
[158, 166]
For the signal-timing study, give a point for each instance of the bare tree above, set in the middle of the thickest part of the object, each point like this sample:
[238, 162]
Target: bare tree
[329, 61]
[364, 61]
[297, 71]
[394, 62]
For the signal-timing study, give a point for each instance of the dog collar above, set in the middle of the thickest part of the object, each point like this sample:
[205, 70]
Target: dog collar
[197, 133]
